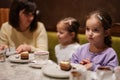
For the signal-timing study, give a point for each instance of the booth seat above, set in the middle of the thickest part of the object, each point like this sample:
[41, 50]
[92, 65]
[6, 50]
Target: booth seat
[52, 41]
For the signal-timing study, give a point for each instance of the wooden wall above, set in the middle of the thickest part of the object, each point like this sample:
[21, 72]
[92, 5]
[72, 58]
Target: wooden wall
[51, 11]
[4, 15]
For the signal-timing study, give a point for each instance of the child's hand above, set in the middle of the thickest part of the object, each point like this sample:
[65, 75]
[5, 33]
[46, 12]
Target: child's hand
[85, 61]
[88, 66]
[2, 47]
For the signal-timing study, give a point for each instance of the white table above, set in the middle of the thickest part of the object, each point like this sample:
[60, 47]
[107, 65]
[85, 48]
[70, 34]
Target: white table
[17, 71]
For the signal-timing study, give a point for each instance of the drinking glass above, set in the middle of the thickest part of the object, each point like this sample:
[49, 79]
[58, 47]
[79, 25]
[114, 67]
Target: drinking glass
[2, 56]
[76, 74]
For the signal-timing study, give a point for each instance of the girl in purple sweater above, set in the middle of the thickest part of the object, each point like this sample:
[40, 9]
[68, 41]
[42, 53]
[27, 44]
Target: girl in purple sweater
[98, 52]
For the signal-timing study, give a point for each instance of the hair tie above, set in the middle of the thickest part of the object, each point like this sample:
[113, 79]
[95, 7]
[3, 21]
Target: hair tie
[37, 12]
[99, 17]
[70, 22]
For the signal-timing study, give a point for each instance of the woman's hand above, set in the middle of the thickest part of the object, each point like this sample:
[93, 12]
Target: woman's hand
[2, 47]
[23, 47]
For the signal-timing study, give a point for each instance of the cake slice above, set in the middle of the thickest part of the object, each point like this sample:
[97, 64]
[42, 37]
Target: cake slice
[24, 55]
[65, 65]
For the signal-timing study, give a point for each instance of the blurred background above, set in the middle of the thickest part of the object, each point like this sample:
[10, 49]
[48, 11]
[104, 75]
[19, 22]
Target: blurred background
[51, 11]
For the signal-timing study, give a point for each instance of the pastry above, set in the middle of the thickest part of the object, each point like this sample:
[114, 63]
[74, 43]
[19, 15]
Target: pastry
[24, 55]
[65, 65]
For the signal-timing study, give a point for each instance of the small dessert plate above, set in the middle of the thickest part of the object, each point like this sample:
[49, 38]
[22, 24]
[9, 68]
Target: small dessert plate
[16, 58]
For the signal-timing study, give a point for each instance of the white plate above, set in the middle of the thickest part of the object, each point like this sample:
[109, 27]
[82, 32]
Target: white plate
[55, 71]
[16, 58]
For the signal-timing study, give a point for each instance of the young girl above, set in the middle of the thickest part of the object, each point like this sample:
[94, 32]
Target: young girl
[98, 52]
[67, 30]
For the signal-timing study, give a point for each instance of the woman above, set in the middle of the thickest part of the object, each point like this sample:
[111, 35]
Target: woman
[23, 31]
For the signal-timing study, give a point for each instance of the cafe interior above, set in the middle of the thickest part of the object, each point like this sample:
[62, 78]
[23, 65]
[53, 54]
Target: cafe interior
[50, 12]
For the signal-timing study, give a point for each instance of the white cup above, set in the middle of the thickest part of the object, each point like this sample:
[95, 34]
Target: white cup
[117, 72]
[41, 57]
[104, 74]
[76, 75]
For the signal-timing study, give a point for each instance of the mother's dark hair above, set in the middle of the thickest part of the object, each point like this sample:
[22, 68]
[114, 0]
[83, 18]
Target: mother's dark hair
[26, 5]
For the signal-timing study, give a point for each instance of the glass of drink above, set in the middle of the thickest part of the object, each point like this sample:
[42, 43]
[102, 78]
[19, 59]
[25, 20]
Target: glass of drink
[2, 56]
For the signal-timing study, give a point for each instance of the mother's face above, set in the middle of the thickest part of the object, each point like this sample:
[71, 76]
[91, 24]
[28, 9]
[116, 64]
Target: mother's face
[25, 19]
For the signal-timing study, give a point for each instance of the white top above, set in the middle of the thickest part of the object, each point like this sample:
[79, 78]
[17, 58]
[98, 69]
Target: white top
[65, 52]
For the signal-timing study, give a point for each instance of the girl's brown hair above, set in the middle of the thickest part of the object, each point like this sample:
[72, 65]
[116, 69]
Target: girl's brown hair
[72, 25]
[106, 22]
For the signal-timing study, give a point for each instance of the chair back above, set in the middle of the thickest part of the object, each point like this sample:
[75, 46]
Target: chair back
[4, 15]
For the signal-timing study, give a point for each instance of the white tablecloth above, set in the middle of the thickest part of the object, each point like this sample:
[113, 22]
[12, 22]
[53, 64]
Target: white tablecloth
[18, 71]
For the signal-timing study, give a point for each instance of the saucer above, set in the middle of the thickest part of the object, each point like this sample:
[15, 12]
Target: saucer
[39, 65]
[34, 65]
